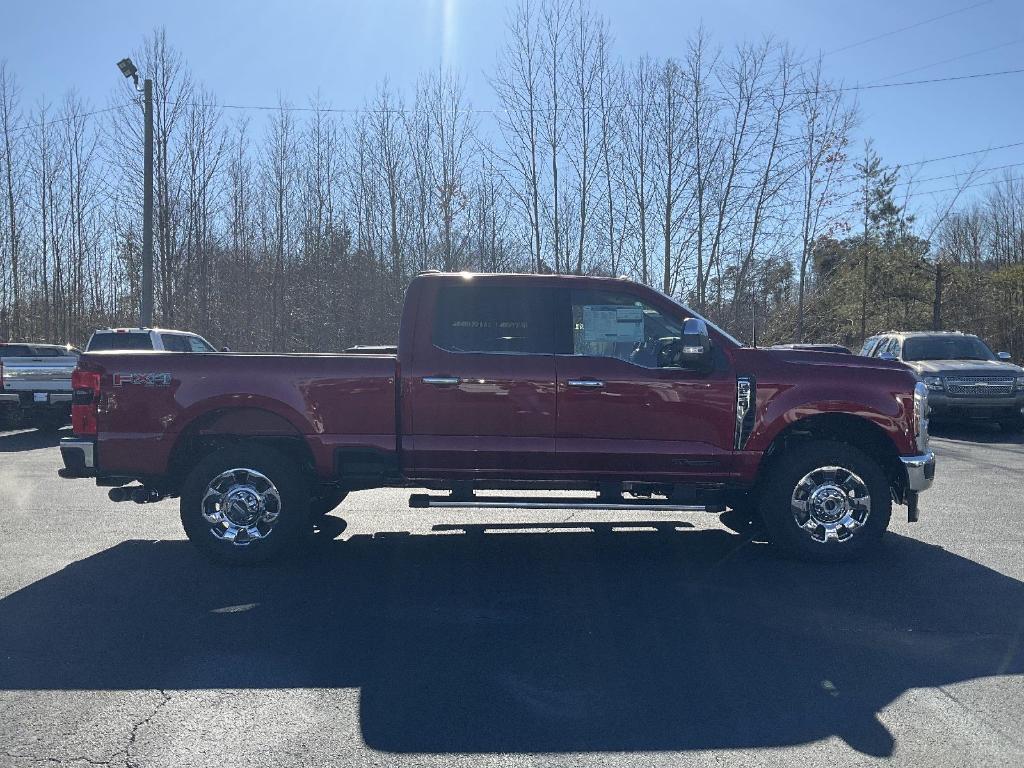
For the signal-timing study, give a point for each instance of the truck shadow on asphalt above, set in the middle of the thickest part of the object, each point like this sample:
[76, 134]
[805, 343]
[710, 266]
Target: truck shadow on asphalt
[660, 639]
[978, 432]
[30, 439]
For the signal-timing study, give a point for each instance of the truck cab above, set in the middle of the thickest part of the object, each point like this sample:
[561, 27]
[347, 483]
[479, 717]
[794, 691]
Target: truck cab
[156, 339]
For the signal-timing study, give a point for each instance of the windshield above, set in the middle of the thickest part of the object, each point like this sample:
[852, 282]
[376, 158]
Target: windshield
[946, 348]
[687, 312]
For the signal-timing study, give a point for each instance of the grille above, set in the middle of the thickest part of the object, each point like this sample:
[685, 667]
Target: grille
[979, 386]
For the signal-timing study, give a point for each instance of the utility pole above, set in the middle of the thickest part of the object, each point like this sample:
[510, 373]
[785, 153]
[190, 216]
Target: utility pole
[128, 69]
[146, 301]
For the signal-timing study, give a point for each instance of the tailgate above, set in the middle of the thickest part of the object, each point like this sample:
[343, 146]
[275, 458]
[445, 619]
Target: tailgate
[38, 374]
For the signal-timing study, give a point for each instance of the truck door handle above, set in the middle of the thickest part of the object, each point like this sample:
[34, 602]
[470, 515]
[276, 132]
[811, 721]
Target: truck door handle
[585, 383]
[441, 381]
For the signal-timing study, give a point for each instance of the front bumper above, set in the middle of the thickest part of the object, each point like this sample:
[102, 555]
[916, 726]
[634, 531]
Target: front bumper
[79, 457]
[920, 471]
[942, 405]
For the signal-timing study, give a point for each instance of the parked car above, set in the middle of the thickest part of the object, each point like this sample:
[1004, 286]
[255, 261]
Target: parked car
[35, 384]
[835, 348]
[506, 382]
[157, 339]
[965, 378]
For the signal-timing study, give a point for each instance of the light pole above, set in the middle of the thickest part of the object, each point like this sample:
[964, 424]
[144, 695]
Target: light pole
[128, 69]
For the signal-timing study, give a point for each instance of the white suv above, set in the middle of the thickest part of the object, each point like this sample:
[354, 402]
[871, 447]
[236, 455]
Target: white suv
[158, 339]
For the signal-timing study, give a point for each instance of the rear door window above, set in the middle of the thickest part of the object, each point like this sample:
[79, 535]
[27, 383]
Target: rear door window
[495, 319]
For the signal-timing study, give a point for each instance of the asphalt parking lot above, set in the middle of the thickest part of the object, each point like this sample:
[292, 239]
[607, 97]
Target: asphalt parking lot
[422, 637]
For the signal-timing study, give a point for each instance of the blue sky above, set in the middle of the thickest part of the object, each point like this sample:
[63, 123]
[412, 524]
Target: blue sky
[247, 53]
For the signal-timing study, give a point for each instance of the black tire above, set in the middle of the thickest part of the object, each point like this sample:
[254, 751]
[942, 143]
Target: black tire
[786, 472]
[288, 531]
[325, 503]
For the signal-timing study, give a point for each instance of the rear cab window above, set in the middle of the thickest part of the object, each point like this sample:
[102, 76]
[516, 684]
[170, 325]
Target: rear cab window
[495, 319]
[128, 341]
[15, 350]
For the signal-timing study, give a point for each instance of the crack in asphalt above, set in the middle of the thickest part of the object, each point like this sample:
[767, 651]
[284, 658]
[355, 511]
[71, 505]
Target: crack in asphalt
[133, 735]
[125, 756]
[57, 760]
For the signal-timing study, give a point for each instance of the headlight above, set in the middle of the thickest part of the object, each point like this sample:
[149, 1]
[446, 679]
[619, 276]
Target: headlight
[934, 383]
[1019, 384]
[921, 416]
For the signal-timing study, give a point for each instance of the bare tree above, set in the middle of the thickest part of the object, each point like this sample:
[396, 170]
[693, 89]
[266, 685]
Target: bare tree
[391, 158]
[637, 128]
[452, 130]
[699, 65]
[10, 153]
[825, 123]
[585, 66]
[671, 122]
[518, 85]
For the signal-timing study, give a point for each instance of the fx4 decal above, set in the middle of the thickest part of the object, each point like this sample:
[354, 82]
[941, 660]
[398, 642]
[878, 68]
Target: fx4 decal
[142, 379]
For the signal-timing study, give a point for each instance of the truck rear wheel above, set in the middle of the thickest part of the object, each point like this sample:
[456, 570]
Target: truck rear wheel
[826, 501]
[245, 505]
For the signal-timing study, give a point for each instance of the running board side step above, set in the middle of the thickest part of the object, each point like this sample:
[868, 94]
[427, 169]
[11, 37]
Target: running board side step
[424, 500]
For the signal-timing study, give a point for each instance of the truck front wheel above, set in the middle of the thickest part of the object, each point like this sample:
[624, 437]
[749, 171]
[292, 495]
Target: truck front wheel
[824, 500]
[245, 505]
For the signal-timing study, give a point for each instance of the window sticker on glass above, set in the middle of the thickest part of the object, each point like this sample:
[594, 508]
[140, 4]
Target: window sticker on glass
[611, 322]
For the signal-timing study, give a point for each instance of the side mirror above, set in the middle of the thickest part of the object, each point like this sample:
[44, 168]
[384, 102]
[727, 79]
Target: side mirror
[695, 351]
[224, 349]
[1004, 356]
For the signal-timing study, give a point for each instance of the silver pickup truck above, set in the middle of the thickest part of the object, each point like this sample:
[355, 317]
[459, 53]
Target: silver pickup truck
[35, 384]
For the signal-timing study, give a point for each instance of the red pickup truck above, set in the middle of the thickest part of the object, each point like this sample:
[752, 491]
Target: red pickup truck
[508, 382]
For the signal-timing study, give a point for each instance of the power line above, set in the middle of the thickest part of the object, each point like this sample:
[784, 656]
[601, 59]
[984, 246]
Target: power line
[962, 154]
[906, 182]
[968, 186]
[950, 60]
[907, 28]
[570, 108]
[68, 119]
[975, 76]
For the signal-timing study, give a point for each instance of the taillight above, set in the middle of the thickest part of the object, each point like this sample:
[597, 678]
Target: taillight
[85, 398]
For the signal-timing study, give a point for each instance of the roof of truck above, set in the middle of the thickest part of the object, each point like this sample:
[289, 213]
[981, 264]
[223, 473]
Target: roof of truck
[139, 329]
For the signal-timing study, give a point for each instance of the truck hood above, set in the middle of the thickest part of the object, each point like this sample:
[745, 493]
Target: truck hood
[815, 358]
[964, 367]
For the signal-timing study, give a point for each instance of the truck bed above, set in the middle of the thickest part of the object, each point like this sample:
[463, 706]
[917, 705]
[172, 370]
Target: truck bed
[338, 404]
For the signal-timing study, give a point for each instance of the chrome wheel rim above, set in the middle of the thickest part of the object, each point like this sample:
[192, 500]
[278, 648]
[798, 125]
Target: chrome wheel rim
[241, 506]
[830, 504]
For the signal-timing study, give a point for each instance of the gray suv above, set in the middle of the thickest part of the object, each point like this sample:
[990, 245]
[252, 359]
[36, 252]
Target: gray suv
[965, 379]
